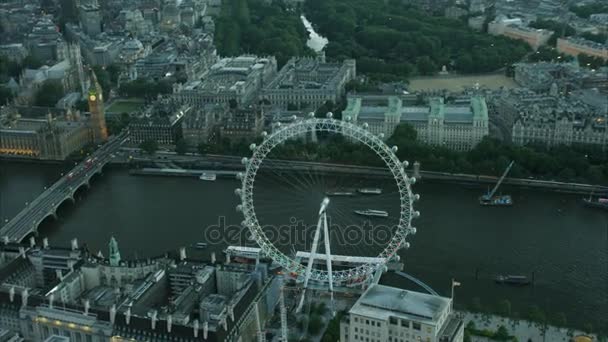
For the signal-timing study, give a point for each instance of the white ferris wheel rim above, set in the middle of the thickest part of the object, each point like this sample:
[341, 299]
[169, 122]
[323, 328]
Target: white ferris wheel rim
[353, 131]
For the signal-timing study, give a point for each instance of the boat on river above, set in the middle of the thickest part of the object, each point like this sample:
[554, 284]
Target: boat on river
[340, 192]
[207, 177]
[519, 280]
[491, 199]
[599, 202]
[370, 191]
[372, 212]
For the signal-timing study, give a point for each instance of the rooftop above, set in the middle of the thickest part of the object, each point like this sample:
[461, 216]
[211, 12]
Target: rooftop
[382, 302]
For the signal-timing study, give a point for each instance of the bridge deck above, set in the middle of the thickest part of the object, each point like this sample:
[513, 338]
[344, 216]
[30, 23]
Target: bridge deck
[46, 204]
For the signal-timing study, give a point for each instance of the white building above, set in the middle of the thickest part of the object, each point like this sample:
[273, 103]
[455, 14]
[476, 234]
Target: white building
[309, 83]
[458, 127]
[388, 314]
[237, 79]
[514, 28]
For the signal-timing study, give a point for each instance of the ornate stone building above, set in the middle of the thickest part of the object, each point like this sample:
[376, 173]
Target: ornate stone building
[309, 83]
[458, 127]
[42, 139]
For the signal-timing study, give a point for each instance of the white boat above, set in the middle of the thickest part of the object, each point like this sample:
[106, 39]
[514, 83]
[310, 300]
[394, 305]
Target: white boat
[340, 192]
[207, 176]
[370, 191]
[372, 212]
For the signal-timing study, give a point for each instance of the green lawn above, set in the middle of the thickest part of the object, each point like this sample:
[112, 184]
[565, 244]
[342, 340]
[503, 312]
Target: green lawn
[125, 106]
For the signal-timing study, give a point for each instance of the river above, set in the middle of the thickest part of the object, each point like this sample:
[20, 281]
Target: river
[550, 235]
[315, 41]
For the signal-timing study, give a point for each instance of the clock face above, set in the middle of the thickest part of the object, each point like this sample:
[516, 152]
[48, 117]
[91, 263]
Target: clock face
[92, 98]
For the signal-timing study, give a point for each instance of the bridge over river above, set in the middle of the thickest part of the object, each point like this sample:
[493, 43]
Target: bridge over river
[46, 204]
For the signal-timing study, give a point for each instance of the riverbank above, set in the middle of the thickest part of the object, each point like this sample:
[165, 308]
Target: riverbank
[225, 162]
[523, 330]
[456, 237]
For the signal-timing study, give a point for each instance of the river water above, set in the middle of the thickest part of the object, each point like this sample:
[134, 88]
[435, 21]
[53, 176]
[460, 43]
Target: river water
[315, 41]
[550, 235]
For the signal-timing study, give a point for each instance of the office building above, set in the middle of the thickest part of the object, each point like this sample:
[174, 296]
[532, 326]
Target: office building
[455, 126]
[388, 314]
[308, 83]
[579, 46]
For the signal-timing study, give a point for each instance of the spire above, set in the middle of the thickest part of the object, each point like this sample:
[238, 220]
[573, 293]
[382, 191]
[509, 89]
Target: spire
[114, 252]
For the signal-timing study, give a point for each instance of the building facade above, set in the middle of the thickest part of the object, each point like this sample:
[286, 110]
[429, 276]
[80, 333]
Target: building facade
[578, 46]
[236, 81]
[160, 122]
[458, 127]
[141, 307]
[309, 83]
[388, 314]
[42, 139]
[514, 28]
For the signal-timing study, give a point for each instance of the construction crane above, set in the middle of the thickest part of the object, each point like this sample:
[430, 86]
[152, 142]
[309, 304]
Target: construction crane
[502, 200]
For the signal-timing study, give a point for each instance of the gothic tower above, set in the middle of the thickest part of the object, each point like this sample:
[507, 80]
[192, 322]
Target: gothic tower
[98, 114]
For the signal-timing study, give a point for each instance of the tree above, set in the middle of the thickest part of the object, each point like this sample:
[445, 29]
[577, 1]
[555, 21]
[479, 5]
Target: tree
[502, 334]
[315, 324]
[149, 146]
[404, 135]
[48, 94]
[31, 62]
[181, 147]
[6, 95]
[535, 314]
[425, 65]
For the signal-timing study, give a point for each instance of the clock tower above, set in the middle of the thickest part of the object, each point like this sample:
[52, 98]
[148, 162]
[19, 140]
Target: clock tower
[98, 114]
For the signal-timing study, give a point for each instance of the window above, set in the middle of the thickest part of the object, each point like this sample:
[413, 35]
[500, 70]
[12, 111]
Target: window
[416, 326]
[393, 320]
[367, 321]
[405, 323]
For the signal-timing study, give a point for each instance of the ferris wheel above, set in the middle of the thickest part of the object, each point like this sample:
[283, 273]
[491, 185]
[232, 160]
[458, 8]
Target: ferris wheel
[352, 132]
